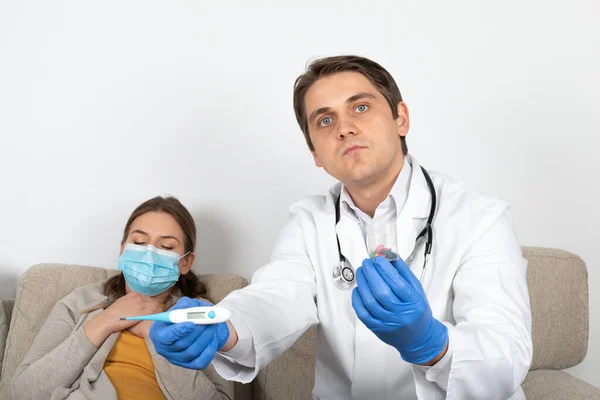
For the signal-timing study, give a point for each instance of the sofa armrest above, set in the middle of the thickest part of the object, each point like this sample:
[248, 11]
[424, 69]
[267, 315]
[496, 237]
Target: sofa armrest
[557, 385]
[558, 289]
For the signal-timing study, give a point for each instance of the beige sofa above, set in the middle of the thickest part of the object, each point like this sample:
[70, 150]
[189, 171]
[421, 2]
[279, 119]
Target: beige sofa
[559, 301]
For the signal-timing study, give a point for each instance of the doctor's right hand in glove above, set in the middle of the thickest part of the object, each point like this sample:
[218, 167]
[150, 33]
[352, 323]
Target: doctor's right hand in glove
[390, 301]
[189, 345]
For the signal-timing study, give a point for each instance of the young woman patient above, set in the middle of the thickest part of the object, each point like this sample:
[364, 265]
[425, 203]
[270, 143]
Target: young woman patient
[83, 350]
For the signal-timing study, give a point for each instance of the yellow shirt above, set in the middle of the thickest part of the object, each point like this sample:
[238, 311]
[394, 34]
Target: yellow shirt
[130, 368]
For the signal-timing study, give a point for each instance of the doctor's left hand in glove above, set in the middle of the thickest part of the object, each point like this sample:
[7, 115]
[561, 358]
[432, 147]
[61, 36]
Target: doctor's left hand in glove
[189, 345]
[390, 301]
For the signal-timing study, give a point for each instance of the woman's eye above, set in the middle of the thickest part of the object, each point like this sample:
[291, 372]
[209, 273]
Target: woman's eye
[362, 108]
[138, 243]
[325, 121]
[168, 248]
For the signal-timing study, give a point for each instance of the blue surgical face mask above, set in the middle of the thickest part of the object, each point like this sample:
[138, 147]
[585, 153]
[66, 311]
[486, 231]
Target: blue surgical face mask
[148, 270]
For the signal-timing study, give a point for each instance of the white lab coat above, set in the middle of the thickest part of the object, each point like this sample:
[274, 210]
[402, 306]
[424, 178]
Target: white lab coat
[475, 283]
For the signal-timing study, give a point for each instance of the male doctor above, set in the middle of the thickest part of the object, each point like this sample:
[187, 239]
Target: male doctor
[458, 329]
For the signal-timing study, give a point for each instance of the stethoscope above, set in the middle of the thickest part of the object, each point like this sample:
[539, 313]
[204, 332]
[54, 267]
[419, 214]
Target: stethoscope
[343, 274]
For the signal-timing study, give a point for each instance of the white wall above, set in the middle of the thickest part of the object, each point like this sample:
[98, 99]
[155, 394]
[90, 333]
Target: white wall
[105, 104]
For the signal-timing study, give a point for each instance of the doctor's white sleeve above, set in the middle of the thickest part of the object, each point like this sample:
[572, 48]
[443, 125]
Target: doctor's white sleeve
[490, 348]
[277, 307]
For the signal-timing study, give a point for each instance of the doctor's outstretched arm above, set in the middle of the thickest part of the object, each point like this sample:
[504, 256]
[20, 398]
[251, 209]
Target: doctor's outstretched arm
[268, 315]
[276, 309]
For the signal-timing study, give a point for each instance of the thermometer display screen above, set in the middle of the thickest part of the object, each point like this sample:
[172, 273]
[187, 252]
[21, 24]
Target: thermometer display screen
[196, 315]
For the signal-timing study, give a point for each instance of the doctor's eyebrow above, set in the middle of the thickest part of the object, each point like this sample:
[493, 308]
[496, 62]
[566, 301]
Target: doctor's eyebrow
[359, 96]
[318, 112]
[351, 99]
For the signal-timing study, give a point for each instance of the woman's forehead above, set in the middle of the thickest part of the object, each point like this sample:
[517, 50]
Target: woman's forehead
[157, 223]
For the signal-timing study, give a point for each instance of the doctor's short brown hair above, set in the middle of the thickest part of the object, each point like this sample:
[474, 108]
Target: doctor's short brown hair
[375, 73]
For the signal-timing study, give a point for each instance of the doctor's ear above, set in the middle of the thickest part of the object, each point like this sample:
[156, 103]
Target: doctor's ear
[403, 121]
[316, 158]
[185, 263]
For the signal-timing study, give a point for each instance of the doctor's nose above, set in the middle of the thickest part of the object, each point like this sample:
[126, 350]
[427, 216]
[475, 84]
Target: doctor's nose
[345, 128]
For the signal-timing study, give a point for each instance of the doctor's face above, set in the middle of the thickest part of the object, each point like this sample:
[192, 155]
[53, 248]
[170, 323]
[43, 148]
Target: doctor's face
[354, 134]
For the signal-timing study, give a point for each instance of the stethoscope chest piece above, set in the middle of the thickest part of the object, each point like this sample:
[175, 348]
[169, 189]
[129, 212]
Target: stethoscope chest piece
[343, 276]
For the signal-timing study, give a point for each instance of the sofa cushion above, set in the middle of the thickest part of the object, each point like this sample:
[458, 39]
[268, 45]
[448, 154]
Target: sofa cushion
[557, 385]
[291, 375]
[43, 285]
[558, 290]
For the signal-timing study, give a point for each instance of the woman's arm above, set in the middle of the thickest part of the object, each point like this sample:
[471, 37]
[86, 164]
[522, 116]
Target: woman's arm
[187, 384]
[56, 357]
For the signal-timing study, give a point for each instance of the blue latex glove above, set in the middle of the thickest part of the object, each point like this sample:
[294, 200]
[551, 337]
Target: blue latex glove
[186, 344]
[390, 301]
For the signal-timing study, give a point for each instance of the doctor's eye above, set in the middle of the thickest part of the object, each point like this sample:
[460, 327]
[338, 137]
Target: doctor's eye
[325, 121]
[362, 108]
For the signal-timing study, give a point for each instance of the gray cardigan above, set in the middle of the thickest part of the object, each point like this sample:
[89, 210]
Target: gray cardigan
[63, 364]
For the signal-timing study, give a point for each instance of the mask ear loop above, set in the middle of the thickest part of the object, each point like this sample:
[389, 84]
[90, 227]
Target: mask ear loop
[181, 257]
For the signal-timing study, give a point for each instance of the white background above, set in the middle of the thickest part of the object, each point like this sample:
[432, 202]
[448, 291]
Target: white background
[106, 104]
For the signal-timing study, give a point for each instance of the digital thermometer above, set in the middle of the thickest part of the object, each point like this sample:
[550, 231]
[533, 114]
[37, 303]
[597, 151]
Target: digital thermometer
[196, 315]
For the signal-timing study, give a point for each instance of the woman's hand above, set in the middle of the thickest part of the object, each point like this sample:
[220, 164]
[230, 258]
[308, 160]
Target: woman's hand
[107, 322]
